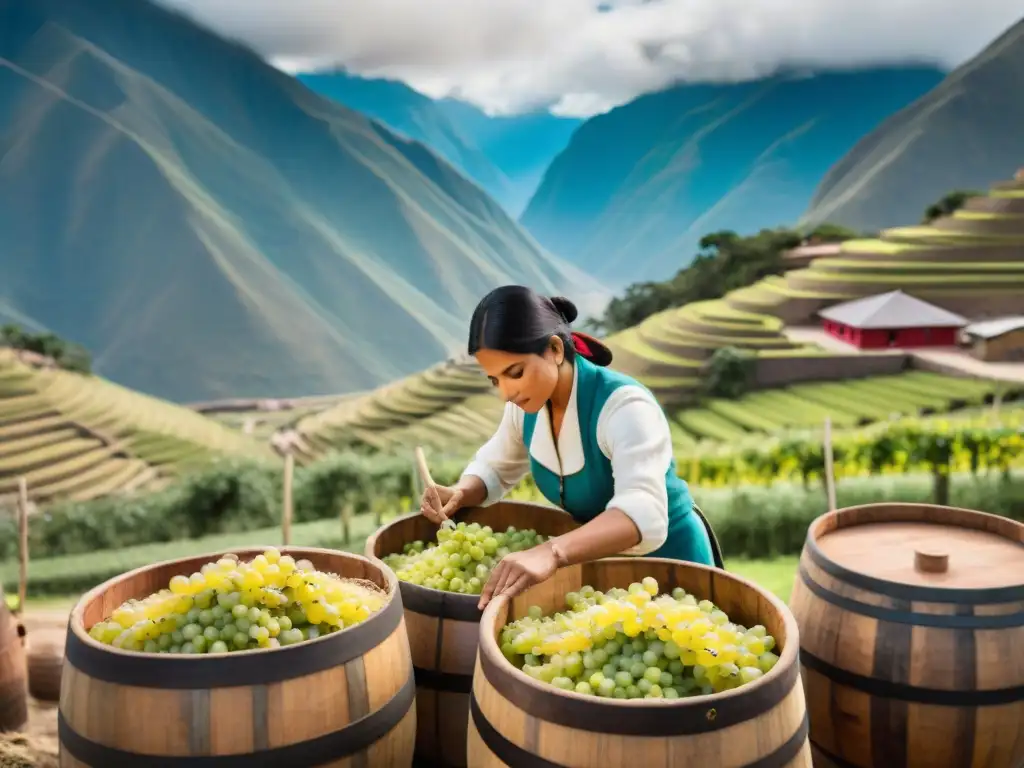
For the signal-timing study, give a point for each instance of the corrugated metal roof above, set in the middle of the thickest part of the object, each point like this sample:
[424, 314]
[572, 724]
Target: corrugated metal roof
[990, 329]
[895, 309]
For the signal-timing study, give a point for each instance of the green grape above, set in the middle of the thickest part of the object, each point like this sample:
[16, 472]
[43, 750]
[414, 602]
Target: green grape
[635, 643]
[229, 605]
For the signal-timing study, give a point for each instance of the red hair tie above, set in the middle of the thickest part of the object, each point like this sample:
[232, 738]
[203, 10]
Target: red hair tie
[581, 346]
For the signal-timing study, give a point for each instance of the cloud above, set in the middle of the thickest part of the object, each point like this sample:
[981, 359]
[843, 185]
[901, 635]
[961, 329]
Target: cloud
[585, 56]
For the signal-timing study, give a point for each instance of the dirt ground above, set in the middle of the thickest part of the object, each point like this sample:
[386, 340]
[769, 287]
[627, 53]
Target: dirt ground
[36, 747]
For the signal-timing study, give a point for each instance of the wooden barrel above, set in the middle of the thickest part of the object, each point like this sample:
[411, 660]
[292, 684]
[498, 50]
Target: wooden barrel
[444, 626]
[13, 672]
[516, 720]
[911, 628]
[45, 656]
[344, 699]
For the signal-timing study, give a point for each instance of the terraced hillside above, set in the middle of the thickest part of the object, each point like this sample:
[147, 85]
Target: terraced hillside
[262, 418]
[971, 262]
[450, 409]
[82, 437]
[447, 407]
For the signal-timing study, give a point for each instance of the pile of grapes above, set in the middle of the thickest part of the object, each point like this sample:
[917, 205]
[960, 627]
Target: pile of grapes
[462, 558]
[236, 606]
[632, 644]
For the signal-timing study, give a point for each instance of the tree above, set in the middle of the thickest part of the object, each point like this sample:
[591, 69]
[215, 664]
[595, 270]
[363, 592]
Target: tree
[730, 373]
[832, 233]
[66, 354]
[948, 204]
[725, 261]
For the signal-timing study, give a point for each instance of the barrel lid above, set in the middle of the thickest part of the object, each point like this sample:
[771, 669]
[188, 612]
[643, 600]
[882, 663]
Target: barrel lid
[931, 554]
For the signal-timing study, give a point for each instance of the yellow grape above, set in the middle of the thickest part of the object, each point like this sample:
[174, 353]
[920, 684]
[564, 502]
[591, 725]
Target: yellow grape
[636, 643]
[230, 605]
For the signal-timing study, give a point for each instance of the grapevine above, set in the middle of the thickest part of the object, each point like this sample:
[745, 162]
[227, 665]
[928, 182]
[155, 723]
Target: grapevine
[933, 446]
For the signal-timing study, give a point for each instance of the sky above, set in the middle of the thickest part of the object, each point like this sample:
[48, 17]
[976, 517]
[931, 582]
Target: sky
[582, 57]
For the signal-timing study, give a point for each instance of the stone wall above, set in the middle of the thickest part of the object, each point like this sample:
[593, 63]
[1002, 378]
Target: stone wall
[782, 371]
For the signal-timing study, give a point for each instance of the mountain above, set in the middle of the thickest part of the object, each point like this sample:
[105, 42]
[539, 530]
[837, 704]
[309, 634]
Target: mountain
[963, 134]
[506, 155]
[637, 187]
[209, 227]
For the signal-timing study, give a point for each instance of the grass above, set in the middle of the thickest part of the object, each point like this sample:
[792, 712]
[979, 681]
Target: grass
[81, 437]
[775, 575]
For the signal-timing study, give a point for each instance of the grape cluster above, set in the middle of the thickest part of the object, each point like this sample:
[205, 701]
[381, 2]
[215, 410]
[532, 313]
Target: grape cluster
[462, 558]
[237, 606]
[635, 643]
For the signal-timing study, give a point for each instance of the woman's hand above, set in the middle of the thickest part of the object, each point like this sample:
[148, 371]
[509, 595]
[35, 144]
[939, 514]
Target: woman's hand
[518, 571]
[440, 502]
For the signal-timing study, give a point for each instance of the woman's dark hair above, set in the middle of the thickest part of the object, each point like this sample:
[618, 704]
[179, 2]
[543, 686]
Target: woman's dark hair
[516, 319]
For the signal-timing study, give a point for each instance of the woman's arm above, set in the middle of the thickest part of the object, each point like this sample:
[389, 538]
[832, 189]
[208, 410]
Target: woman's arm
[499, 465]
[633, 433]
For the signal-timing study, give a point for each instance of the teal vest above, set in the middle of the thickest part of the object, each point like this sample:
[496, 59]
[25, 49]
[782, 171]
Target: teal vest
[586, 493]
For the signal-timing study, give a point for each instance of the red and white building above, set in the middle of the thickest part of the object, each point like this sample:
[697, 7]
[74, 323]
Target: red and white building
[893, 319]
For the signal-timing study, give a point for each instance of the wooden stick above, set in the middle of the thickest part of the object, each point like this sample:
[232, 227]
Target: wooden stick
[346, 522]
[286, 513]
[22, 543]
[830, 478]
[421, 467]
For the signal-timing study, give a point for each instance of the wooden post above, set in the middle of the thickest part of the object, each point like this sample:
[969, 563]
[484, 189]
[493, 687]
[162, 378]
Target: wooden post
[286, 512]
[830, 477]
[997, 399]
[22, 543]
[346, 522]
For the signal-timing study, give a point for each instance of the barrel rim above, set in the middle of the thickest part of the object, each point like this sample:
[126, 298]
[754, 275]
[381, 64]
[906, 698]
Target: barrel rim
[436, 602]
[903, 590]
[632, 716]
[212, 673]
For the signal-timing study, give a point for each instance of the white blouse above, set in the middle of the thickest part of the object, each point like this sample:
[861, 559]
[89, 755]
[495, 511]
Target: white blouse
[632, 432]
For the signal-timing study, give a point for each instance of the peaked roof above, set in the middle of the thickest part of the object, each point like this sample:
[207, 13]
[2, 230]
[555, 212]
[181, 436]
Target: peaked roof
[895, 309]
[990, 329]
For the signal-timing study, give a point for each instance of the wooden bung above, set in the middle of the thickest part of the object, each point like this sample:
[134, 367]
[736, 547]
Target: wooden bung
[931, 562]
[516, 720]
[444, 627]
[906, 663]
[344, 699]
[13, 671]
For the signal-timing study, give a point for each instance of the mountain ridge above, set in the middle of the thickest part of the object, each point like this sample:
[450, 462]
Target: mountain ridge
[685, 161]
[226, 231]
[967, 122]
[505, 155]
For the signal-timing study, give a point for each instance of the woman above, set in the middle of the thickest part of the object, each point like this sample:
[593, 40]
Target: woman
[596, 442]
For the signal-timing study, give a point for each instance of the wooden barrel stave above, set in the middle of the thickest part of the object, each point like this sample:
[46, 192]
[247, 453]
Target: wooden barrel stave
[517, 721]
[444, 628]
[344, 699]
[13, 671]
[895, 681]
